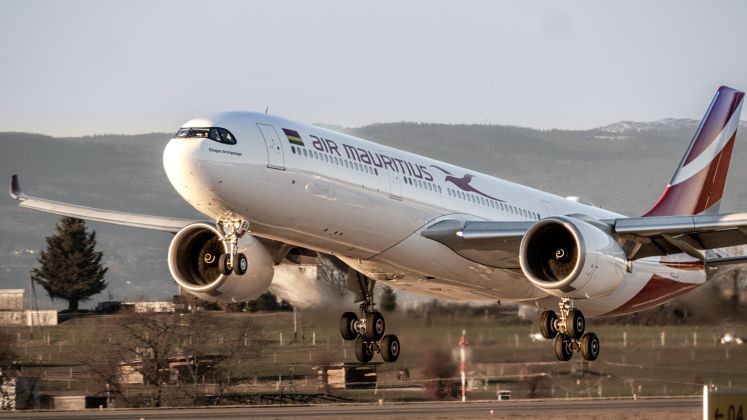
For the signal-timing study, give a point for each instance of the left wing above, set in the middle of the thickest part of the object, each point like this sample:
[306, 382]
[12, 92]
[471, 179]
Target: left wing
[496, 244]
[142, 221]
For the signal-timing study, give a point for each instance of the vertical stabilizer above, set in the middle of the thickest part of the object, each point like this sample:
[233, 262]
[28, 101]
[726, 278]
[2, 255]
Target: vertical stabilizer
[698, 184]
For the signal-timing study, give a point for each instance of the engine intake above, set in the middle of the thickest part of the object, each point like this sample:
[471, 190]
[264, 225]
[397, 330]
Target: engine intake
[569, 257]
[194, 256]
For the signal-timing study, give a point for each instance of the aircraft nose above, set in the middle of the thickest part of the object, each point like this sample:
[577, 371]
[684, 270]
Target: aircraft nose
[181, 161]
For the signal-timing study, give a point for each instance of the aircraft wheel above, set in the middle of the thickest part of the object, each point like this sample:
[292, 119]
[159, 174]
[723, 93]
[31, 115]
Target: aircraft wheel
[589, 346]
[389, 348]
[547, 324]
[224, 264]
[347, 326]
[562, 346]
[575, 324]
[242, 264]
[362, 350]
[375, 326]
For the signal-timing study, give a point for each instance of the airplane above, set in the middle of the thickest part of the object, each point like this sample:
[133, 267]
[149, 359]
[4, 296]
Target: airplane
[272, 189]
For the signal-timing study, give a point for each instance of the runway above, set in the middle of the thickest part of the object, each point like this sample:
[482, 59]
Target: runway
[642, 408]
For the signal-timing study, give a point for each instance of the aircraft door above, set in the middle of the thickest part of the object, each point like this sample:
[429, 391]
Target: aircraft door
[549, 209]
[395, 185]
[275, 157]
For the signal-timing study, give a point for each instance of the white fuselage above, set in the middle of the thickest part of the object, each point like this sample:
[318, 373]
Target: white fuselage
[367, 204]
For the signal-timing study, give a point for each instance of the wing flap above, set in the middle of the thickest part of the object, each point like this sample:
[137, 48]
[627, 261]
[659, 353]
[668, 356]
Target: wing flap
[141, 221]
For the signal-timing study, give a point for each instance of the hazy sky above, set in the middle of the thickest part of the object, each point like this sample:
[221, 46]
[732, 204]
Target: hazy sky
[85, 67]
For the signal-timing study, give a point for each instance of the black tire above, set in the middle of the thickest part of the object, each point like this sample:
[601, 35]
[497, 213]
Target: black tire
[547, 324]
[389, 348]
[224, 264]
[575, 324]
[242, 264]
[375, 326]
[347, 323]
[562, 347]
[589, 346]
[362, 351]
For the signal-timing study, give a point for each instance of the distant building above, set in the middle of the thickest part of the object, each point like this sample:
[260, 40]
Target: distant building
[348, 375]
[12, 312]
[11, 299]
[152, 307]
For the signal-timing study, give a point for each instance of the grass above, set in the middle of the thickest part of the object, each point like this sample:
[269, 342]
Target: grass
[501, 355]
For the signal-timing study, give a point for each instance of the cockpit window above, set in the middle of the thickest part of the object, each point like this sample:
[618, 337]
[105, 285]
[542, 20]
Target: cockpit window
[221, 135]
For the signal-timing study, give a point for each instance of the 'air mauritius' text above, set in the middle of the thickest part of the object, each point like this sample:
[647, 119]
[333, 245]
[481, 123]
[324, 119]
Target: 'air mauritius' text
[377, 159]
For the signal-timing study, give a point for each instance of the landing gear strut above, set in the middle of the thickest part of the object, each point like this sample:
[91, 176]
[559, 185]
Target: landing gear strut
[567, 328]
[368, 329]
[234, 261]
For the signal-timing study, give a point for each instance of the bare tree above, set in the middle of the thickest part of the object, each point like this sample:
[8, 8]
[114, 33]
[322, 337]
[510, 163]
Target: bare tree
[173, 353]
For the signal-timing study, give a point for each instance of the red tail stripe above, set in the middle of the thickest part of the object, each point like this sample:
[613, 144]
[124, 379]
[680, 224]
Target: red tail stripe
[699, 192]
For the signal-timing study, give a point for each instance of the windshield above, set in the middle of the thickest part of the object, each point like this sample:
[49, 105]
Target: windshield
[218, 134]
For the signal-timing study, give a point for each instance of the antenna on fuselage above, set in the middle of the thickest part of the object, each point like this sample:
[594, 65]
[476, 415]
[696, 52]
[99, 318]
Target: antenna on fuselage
[267, 109]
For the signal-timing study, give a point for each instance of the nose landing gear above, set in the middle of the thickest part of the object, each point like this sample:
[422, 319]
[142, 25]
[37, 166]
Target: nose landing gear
[233, 261]
[567, 328]
[368, 329]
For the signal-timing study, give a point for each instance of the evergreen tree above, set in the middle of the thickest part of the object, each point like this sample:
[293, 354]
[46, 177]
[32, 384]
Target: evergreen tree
[70, 267]
[388, 300]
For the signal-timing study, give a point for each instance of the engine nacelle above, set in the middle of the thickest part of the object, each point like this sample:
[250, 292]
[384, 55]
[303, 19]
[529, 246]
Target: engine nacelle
[193, 262]
[568, 257]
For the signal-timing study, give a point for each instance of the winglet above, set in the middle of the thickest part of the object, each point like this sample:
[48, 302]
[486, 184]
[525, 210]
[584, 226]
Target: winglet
[15, 189]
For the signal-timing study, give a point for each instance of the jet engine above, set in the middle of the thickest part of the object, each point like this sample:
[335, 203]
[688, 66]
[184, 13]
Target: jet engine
[194, 256]
[569, 257]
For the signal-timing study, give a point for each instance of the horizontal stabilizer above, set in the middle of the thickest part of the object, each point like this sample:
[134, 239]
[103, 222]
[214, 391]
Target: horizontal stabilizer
[719, 262]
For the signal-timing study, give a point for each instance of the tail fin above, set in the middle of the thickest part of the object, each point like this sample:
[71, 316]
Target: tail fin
[698, 183]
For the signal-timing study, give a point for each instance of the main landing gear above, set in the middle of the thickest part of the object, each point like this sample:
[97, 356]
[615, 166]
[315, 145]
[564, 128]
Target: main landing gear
[368, 329]
[567, 328]
[233, 261]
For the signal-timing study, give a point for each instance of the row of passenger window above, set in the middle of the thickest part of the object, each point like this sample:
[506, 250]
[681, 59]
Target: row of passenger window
[350, 164]
[493, 204]
[425, 185]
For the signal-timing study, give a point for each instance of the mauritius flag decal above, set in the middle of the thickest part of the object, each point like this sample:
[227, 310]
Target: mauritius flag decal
[293, 137]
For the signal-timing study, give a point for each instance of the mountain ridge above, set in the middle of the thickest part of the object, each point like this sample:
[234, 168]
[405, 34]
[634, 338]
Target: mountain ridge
[124, 172]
